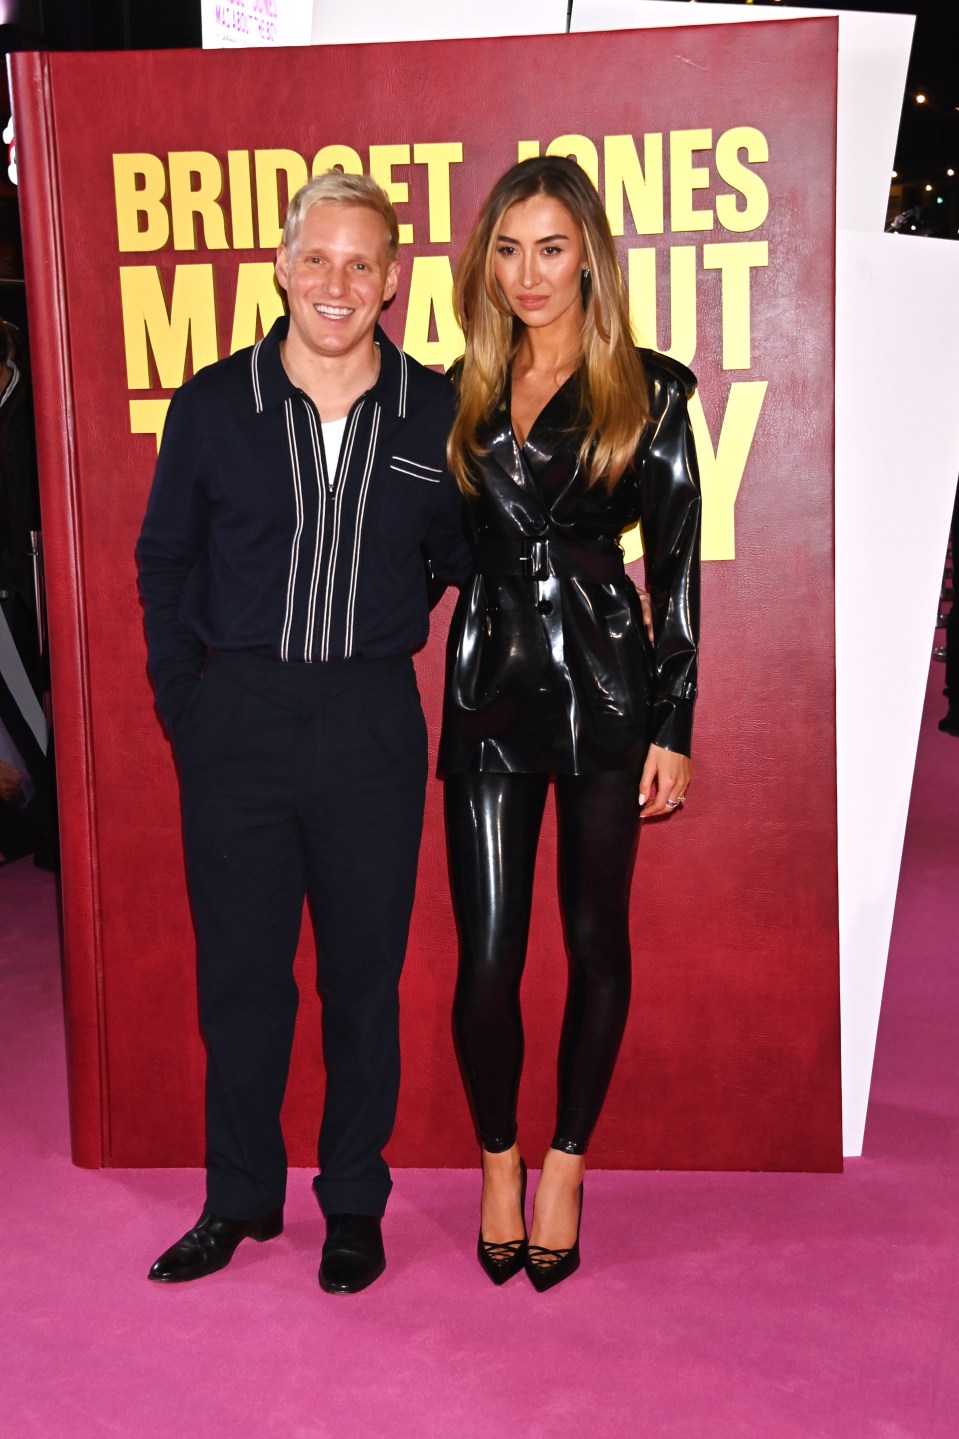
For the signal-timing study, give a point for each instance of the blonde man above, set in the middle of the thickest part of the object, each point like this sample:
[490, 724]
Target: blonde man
[298, 486]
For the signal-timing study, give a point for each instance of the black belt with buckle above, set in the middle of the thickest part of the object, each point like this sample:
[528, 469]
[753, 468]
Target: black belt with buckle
[599, 561]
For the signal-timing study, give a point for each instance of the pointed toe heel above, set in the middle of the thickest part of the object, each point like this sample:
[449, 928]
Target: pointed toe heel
[548, 1267]
[499, 1262]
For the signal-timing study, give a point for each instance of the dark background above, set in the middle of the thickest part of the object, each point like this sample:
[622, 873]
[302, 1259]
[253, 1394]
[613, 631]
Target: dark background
[928, 145]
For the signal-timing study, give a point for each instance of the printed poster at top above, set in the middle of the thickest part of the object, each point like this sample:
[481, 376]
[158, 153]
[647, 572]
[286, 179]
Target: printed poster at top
[227, 24]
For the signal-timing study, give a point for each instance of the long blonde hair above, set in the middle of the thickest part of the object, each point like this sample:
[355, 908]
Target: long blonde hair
[615, 404]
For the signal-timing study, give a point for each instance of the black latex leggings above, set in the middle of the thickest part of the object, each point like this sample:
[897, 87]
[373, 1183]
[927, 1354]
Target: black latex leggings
[493, 824]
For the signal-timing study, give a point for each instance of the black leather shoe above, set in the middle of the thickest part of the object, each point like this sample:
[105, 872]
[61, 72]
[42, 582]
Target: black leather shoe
[210, 1245]
[501, 1261]
[353, 1254]
[547, 1267]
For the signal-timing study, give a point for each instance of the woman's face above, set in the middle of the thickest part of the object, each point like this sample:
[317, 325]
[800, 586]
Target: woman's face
[538, 260]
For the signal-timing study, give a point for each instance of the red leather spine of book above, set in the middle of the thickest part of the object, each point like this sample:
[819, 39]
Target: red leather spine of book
[32, 82]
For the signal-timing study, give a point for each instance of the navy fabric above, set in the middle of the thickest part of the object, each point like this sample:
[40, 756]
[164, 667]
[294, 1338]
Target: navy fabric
[251, 542]
[300, 781]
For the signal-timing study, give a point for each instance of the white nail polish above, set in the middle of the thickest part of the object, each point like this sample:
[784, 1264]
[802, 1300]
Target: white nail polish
[642, 800]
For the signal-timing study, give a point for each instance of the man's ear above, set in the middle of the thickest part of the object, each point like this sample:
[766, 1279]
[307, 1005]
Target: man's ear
[281, 267]
[392, 280]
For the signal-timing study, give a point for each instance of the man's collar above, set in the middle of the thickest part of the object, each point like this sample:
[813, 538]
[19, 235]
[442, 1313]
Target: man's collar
[273, 386]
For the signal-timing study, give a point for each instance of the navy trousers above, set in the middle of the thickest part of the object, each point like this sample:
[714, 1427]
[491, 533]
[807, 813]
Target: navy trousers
[300, 782]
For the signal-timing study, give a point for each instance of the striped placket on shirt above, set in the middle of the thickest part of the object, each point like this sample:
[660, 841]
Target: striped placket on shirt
[330, 514]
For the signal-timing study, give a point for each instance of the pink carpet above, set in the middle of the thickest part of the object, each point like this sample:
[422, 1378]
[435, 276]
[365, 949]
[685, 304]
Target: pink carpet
[708, 1305]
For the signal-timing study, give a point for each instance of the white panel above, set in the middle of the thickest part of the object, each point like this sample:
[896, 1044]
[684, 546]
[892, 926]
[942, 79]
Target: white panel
[873, 59]
[336, 24]
[897, 451]
[234, 24]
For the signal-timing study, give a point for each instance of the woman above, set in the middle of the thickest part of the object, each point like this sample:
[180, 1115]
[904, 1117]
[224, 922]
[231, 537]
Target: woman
[565, 435]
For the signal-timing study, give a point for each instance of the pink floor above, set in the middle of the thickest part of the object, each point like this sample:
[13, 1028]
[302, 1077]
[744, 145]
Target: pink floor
[708, 1305]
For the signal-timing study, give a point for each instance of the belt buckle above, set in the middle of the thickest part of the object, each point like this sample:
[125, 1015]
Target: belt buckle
[534, 560]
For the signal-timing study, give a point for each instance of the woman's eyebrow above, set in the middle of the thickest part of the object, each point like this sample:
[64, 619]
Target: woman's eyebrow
[544, 241]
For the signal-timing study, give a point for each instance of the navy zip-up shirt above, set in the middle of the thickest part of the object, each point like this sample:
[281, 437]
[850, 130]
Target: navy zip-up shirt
[251, 543]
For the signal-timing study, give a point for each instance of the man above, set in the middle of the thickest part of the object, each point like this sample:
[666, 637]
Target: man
[298, 487]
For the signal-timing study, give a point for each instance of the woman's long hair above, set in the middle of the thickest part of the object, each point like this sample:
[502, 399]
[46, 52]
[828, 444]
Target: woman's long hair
[614, 396]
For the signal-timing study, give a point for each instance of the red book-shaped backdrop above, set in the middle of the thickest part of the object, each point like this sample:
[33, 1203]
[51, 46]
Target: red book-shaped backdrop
[152, 190]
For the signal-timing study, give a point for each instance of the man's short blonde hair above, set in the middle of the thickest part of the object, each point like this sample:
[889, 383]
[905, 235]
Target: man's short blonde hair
[335, 188]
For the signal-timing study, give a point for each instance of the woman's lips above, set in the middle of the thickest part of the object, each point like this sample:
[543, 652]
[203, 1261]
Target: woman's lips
[532, 302]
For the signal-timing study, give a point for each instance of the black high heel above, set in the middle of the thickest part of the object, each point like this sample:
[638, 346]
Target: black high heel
[547, 1267]
[501, 1261]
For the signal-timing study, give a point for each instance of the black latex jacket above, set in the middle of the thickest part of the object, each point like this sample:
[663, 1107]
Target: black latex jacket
[555, 673]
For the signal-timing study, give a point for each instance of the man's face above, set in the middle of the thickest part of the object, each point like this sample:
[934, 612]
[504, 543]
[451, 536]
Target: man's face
[337, 276]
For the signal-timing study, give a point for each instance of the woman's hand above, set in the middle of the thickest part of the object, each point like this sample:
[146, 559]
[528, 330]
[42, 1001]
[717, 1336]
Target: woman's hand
[662, 785]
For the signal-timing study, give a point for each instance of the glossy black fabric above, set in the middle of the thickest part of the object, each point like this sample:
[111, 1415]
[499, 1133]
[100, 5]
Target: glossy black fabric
[493, 824]
[555, 674]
